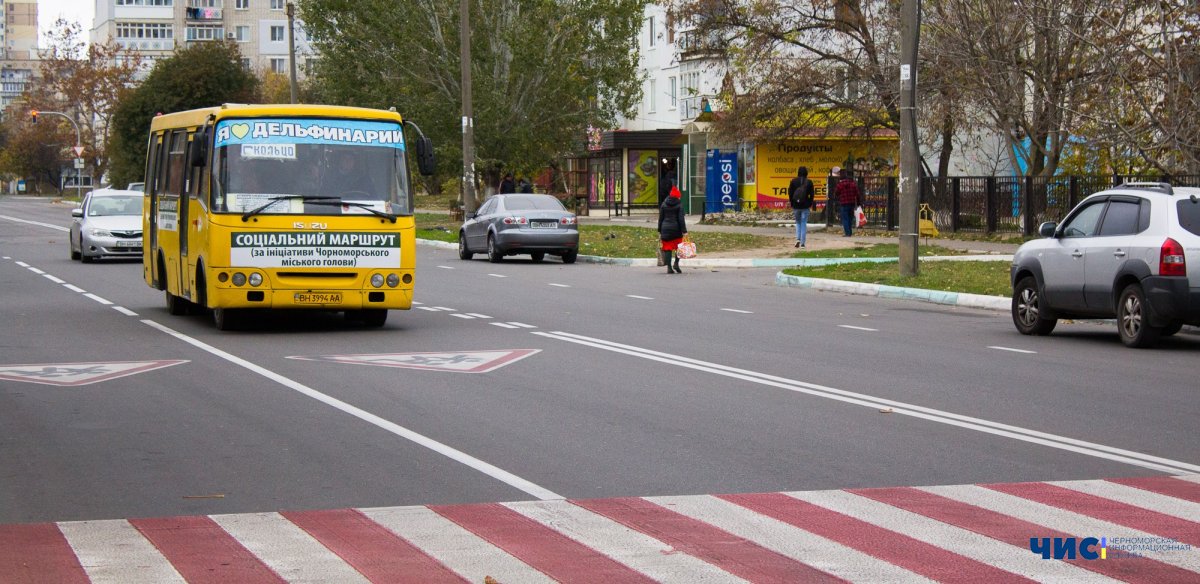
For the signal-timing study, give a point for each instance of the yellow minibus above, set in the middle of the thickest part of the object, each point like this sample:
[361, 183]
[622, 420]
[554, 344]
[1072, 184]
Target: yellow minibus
[305, 207]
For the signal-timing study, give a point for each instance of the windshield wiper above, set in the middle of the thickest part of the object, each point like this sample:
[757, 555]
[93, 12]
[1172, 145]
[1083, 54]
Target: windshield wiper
[306, 198]
[317, 200]
[339, 201]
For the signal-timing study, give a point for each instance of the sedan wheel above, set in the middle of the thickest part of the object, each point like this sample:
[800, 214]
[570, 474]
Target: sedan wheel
[570, 257]
[494, 253]
[71, 244]
[1027, 309]
[463, 252]
[1133, 319]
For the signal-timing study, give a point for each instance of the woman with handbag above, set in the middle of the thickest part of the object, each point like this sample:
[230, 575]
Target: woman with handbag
[671, 229]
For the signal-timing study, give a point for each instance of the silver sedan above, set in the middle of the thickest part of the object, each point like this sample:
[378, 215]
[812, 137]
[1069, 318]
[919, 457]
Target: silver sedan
[520, 223]
[107, 223]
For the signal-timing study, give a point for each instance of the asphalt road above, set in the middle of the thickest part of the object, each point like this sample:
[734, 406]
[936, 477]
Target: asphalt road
[639, 384]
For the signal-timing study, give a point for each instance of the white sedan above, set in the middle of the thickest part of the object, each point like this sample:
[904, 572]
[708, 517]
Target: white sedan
[108, 223]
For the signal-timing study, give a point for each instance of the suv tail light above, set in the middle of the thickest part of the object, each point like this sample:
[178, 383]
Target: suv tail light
[1170, 259]
[516, 221]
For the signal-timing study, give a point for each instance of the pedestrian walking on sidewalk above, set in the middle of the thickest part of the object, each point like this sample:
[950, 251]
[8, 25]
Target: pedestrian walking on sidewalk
[800, 195]
[849, 197]
[671, 229]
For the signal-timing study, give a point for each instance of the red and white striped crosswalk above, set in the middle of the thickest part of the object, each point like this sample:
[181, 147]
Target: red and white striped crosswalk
[961, 533]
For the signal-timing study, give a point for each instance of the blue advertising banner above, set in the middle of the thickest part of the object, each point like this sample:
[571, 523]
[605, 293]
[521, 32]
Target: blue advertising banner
[720, 181]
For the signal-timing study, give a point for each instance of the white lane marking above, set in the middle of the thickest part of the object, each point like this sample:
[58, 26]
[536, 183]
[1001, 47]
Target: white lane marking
[415, 303]
[443, 308]
[638, 297]
[1013, 350]
[54, 279]
[287, 549]
[22, 264]
[98, 299]
[446, 267]
[114, 552]
[461, 315]
[39, 223]
[520, 324]
[789, 540]
[498, 275]
[471, 556]
[477, 315]
[429, 308]
[648, 555]
[7, 258]
[858, 328]
[737, 311]
[445, 450]
[125, 311]
[74, 288]
[503, 325]
[559, 285]
[930, 414]
[36, 271]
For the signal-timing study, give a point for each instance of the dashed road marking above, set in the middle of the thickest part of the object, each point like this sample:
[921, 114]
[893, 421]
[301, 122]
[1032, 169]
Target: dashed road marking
[36, 271]
[429, 308]
[54, 279]
[1013, 350]
[559, 285]
[461, 315]
[446, 267]
[477, 315]
[125, 311]
[638, 297]
[504, 325]
[97, 299]
[737, 311]
[859, 328]
[74, 288]
[444, 308]
[521, 324]
[498, 275]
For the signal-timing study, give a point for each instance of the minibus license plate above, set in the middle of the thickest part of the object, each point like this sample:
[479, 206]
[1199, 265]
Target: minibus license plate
[318, 297]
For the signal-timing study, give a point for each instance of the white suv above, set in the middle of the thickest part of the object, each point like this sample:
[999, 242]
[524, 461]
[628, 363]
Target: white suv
[1121, 253]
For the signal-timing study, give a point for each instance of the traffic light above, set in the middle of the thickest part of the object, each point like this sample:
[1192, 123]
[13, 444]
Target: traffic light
[33, 114]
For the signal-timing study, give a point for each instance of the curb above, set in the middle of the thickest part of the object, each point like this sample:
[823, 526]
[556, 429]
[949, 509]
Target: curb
[935, 296]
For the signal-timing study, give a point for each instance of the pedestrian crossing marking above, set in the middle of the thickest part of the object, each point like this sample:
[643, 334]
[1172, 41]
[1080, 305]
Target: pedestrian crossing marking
[76, 374]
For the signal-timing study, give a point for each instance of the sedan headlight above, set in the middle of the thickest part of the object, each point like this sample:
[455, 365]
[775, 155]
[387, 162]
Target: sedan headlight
[99, 233]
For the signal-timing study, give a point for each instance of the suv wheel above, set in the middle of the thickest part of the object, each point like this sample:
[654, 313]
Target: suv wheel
[1027, 309]
[1133, 318]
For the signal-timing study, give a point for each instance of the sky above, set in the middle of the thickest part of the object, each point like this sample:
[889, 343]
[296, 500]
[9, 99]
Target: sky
[81, 11]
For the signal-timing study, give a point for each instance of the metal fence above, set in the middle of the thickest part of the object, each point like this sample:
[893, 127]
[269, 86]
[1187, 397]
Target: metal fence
[978, 204]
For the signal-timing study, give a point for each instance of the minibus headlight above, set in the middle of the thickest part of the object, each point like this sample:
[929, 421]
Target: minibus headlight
[256, 279]
[393, 280]
[239, 279]
[377, 280]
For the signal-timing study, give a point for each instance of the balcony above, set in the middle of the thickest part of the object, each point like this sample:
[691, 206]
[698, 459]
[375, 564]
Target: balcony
[693, 46]
[147, 44]
[203, 14]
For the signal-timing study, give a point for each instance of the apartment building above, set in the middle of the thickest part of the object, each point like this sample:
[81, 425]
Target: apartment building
[157, 28]
[18, 48]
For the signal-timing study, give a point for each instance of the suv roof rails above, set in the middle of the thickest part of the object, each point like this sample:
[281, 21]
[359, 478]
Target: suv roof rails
[1161, 187]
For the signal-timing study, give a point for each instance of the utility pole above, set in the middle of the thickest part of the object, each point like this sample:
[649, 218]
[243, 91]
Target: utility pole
[468, 120]
[910, 162]
[291, 14]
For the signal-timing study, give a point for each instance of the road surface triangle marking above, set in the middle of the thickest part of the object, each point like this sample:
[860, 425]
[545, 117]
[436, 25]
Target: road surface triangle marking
[75, 374]
[456, 361]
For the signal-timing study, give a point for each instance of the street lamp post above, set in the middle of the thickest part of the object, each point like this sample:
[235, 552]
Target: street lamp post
[78, 146]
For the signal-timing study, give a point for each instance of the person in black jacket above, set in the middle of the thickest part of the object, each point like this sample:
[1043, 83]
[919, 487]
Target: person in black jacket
[800, 195]
[507, 184]
[671, 229]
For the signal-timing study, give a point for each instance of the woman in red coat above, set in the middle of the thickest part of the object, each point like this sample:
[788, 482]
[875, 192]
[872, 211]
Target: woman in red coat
[671, 229]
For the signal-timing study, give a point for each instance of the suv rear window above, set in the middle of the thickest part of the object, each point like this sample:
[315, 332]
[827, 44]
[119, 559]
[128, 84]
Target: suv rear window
[1189, 215]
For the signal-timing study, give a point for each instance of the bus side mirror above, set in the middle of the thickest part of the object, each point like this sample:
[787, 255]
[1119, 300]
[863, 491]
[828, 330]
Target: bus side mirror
[198, 153]
[425, 161]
